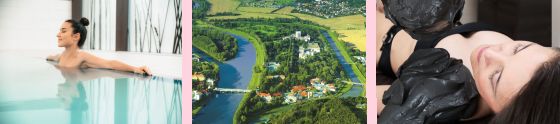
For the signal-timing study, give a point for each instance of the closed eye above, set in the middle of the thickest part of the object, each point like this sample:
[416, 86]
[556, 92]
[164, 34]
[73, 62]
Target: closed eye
[495, 79]
[520, 47]
[498, 74]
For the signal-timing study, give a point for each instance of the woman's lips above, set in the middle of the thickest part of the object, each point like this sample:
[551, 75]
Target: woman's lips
[479, 54]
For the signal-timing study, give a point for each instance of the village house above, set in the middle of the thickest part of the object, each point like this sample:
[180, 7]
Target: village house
[331, 87]
[277, 94]
[297, 93]
[210, 83]
[321, 86]
[265, 96]
[298, 88]
[290, 98]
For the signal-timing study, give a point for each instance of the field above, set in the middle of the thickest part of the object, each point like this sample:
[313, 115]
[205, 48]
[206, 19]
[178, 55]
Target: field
[356, 37]
[251, 15]
[351, 28]
[285, 10]
[219, 6]
[255, 9]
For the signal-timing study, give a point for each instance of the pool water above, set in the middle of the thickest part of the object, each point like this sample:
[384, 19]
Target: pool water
[33, 91]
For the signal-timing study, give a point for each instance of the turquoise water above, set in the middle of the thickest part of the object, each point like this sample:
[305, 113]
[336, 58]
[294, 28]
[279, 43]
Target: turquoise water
[34, 91]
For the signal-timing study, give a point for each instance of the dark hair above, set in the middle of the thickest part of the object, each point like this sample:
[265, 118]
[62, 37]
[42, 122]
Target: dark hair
[538, 102]
[79, 27]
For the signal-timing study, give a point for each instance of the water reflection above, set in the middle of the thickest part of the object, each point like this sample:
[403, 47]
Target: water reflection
[72, 92]
[118, 97]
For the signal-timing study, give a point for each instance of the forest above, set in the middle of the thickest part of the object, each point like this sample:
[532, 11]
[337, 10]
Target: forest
[325, 111]
[217, 44]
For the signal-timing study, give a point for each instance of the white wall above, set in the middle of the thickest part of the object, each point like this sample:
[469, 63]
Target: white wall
[142, 16]
[102, 24]
[555, 24]
[470, 11]
[31, 24]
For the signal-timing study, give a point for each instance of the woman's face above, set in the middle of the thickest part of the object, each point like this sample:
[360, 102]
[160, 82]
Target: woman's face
[501, 70]
[66, 37]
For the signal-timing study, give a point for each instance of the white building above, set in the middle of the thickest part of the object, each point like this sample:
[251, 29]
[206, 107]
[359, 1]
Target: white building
[311, 50]
[196, 95]
[290, 98]
[210, 83]
[298, 36]
[361, 59]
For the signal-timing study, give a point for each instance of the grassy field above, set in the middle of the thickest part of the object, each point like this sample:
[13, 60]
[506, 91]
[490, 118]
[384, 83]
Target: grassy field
[268, 114]
[352, 22]
[196, 110]
[351, 28]
[251, 15]
[356, 37]
[255, 9]
[285, 10]
[223, 6]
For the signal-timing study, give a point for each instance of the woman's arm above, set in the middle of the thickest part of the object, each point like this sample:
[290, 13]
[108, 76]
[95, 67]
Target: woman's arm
[97, 62]
[402, 44]
[380, 89]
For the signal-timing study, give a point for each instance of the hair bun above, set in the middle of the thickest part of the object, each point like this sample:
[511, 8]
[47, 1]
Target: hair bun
[84, 21]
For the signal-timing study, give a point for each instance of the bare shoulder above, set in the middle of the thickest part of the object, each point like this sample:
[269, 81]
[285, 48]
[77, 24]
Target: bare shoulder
[489, 36]
[84, 54]
[88, 57]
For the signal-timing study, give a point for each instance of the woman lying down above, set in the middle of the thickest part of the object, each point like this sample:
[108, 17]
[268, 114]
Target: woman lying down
[447, 72]
[72, 36]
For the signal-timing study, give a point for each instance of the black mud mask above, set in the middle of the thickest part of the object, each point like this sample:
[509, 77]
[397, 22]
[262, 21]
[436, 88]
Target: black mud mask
[424, 19]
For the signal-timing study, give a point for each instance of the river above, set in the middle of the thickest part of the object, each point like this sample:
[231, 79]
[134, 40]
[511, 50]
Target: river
[356, 89]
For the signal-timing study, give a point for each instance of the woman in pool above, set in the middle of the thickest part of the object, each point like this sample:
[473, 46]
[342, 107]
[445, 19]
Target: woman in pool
[72, 36]
[519, 78]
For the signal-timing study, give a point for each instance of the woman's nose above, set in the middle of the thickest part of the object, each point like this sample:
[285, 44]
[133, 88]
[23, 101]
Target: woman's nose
[495, 55]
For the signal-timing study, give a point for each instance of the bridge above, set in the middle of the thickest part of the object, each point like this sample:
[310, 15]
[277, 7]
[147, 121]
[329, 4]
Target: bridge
[230, 90]
[353, 83]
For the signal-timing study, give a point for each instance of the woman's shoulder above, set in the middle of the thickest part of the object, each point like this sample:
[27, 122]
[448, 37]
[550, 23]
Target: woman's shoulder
[84, 55]
[488, 36]
[474, 39]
